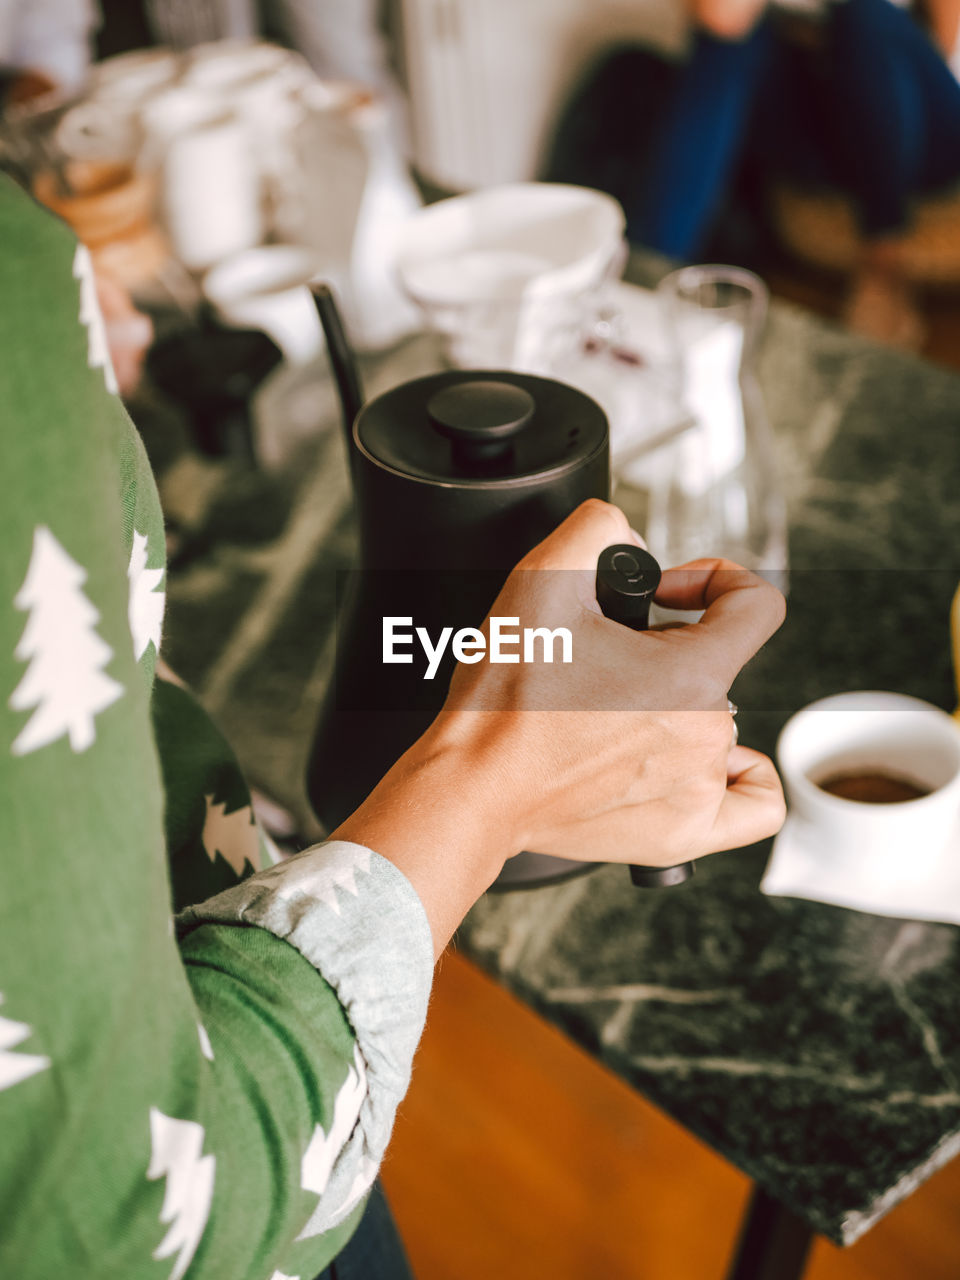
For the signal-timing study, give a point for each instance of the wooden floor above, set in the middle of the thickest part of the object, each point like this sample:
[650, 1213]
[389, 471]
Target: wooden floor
[517, 1157]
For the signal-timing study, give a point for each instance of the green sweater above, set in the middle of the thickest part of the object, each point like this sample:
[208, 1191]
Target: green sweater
[204, 1097]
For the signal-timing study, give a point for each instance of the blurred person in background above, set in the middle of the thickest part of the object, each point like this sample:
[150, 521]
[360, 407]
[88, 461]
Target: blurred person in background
[853, 95]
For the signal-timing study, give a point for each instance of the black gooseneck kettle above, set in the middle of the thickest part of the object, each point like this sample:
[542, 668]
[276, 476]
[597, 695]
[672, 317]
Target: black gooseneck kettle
[456, 476]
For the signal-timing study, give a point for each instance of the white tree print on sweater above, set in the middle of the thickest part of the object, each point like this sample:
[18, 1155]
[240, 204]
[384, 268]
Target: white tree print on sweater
[145, 609]
[91, 317]
[15, 1065]
[65, 681]
[176, 1147]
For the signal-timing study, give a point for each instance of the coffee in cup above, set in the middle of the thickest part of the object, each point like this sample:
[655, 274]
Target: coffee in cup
[875, 786]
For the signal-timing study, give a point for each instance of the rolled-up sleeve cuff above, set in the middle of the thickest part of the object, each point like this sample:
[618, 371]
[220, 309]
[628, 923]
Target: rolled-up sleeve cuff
[360, 923]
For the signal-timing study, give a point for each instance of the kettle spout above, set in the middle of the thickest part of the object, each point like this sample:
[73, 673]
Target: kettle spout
[343, 362]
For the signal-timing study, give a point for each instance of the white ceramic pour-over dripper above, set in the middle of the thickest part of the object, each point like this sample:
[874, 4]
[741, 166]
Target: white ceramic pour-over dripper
[502, 274]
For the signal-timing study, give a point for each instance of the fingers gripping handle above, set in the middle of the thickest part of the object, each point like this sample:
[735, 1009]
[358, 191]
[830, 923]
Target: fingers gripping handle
[627, 578]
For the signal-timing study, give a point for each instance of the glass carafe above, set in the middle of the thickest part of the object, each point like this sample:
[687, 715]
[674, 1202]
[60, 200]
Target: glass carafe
[717, 492]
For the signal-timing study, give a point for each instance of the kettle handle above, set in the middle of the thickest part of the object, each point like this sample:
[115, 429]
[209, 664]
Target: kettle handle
[343, 362]
[627, 577]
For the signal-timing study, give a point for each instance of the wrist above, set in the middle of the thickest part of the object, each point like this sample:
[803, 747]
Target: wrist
[439, 816]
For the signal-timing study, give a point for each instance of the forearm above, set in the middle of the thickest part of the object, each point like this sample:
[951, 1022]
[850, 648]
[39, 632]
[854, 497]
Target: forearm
[439, 817]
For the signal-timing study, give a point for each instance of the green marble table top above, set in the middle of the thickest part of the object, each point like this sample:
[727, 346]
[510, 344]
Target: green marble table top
[817, 1048]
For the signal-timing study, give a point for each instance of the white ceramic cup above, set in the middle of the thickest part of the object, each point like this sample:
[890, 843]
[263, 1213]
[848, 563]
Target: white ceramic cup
[267, 288]
[873, 732]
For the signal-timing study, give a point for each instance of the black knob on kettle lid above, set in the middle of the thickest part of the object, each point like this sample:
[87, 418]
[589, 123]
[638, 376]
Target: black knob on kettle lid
[480, 418]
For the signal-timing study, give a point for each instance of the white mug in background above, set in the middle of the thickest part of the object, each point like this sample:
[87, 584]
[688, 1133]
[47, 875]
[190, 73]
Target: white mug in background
[260, 82]
[878, 844]
[267, 288]
[212, 190]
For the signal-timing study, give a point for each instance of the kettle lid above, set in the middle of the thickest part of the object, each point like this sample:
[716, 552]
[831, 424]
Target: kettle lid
[480, 427]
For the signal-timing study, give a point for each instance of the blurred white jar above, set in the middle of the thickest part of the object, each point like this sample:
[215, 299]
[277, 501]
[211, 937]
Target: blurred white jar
[211, 187]
[260, 82]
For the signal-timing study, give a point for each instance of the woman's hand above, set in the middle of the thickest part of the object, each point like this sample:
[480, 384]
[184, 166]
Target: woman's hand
[625, 754]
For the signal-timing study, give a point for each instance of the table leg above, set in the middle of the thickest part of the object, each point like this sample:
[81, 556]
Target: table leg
[773, 1244]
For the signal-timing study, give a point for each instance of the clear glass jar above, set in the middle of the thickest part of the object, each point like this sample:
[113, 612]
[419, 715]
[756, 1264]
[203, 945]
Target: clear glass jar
[717, 491]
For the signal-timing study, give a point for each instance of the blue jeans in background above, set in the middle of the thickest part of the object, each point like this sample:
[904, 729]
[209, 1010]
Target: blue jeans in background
[873, 111]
